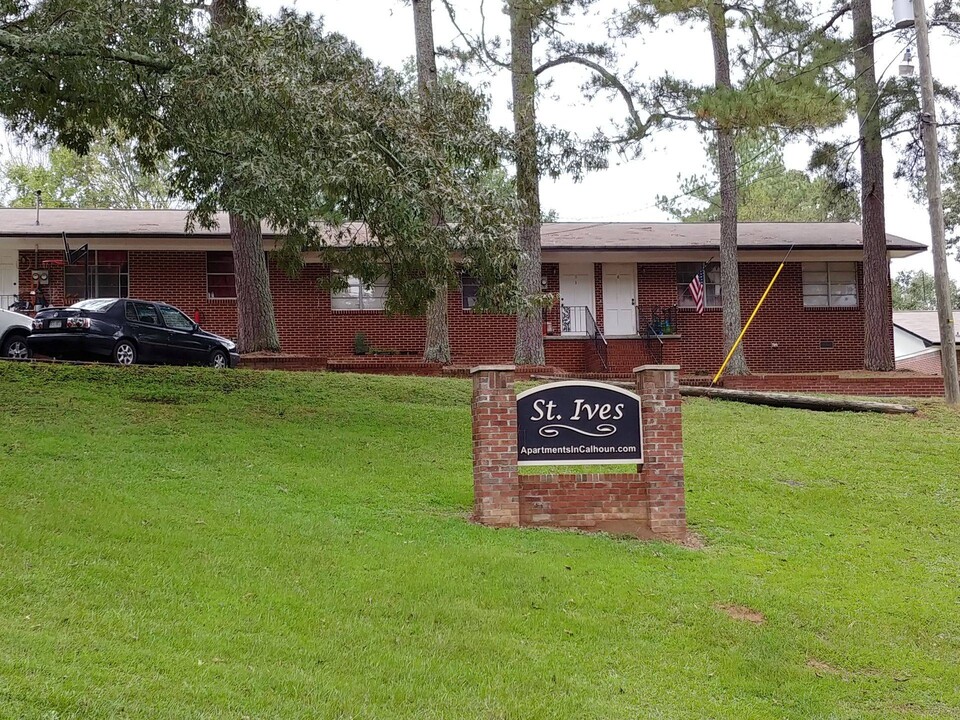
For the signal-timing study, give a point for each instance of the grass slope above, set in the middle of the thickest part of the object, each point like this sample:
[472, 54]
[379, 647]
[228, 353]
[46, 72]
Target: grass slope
[192, 544]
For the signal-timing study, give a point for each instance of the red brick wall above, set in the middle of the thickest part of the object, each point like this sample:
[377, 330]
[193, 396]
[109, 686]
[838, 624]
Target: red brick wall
[551, 272]
[882, 385]
[29, 261]
[614, 502]
[927, 363]
[571, 354]
[785, 337]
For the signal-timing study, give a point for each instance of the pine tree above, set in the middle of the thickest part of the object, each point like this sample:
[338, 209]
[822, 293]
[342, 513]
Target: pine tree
[767, 191]
[529, 344]
[437, 343]
[779, 86]
[537, 150]
[877, 321]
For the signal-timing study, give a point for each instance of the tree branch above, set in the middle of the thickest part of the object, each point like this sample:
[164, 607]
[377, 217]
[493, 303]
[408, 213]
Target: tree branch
[606, 75]
[19, 45]
[479, 50]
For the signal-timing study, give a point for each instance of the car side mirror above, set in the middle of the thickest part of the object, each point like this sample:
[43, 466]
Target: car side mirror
[196, 326]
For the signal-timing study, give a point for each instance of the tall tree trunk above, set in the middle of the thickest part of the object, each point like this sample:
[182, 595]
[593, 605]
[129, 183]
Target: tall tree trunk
[437, 345]
[529, 347]
[727, 168]
[256, 324]
[877, 317]
[256, 321]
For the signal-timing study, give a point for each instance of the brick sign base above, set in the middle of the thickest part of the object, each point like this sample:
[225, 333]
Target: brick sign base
[647, 503]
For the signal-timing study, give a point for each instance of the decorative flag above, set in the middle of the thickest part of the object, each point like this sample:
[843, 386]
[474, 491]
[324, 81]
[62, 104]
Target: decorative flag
[698, 290]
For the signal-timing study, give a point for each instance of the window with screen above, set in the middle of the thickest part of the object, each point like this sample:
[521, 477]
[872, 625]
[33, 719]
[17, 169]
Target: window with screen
[358, 295]
[109, 276]
[830, 284]
[685, 275]
[221, 278]
[468, 291]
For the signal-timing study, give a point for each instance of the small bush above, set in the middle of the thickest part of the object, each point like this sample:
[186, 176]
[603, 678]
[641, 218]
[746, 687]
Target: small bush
[360, 344]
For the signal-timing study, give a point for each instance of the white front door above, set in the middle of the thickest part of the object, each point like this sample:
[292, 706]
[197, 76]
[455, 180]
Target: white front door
[8, 278]
[576, 298]
[619, 299]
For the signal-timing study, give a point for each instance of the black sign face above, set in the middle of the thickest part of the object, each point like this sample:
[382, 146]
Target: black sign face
[578, 423]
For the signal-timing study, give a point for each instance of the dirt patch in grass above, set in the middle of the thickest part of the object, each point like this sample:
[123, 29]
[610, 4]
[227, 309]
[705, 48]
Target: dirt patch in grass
[743, 613]
[792, 483]
[822, 668]
[694, 541]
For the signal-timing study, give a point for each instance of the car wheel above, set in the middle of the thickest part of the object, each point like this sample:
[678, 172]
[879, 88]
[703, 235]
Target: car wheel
[125, 353]
[219, 359]
[15, 348]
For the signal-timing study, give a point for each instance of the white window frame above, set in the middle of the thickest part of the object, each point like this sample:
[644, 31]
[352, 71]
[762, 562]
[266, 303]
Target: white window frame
[354, 299]
[823, 282]
[712, 299]
[219, 274]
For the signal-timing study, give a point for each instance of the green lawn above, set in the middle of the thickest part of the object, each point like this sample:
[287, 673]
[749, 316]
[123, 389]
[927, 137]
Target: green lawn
[193, 544]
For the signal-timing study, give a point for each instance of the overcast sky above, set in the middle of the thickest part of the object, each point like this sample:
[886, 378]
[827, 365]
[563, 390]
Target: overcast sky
[627, 190]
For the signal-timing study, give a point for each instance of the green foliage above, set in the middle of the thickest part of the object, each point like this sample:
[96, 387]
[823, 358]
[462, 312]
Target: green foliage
[794, 103]
[349, 145]
[915, 290]
[272, 118]
[184, 543]
[70, 69]
[106, 177]
[783, 84]
[360, 344]
[767, 191]
[951, 204]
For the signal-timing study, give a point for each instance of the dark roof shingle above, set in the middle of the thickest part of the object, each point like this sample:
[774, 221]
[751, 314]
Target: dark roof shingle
[16, 222]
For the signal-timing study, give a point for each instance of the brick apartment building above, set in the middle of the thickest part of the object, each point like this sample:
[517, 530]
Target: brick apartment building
[620, 288]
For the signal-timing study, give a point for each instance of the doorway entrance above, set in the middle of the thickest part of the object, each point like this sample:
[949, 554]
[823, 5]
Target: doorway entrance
[619, 299]
[576, 298]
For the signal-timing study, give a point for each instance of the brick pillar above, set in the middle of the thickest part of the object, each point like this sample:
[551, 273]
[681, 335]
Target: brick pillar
[659, 389]
[496, 486]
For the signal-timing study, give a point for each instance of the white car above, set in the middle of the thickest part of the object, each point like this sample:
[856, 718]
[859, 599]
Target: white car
[14, 329]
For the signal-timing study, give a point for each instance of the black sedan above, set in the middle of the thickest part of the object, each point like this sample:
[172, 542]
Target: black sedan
[127, 332]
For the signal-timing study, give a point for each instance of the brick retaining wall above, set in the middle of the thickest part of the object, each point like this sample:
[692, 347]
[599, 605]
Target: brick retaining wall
[894, 384]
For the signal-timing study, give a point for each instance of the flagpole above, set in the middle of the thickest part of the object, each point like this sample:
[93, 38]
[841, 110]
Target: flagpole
[750, 320]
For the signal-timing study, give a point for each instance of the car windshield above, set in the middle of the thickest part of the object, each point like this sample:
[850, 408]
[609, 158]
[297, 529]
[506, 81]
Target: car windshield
[97, 305]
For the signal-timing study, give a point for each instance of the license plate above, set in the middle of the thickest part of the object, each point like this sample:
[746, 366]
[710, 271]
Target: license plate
[55, 324]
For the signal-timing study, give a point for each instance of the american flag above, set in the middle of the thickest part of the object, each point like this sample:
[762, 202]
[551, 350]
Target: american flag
[698, 290]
